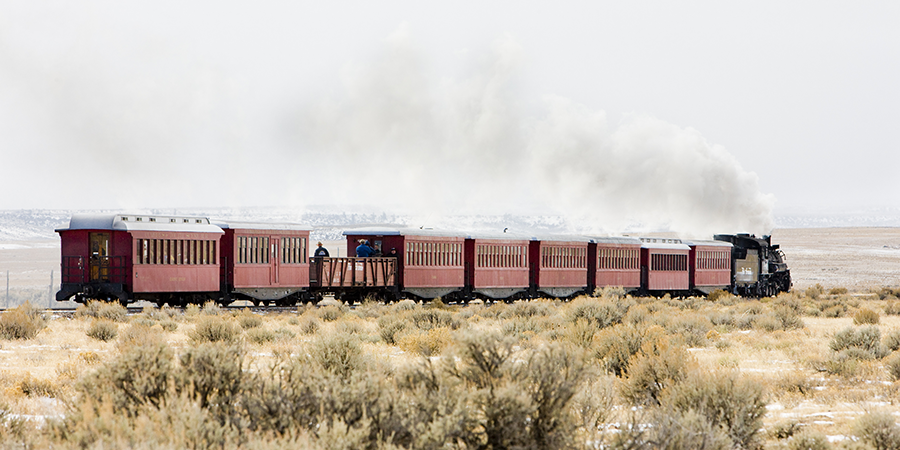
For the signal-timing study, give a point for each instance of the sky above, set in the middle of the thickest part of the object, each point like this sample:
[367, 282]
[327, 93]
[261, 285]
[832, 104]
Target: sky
[692, 116]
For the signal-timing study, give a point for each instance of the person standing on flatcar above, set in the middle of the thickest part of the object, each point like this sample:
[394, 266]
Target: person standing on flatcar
[393, 253]
[363, 251]
[321, 252]
[377, 251]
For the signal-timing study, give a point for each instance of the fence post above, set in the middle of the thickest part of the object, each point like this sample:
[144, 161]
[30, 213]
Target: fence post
[50, 302]
[7, 290]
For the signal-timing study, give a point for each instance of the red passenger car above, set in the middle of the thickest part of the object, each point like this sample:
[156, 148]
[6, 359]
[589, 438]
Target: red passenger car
[559, 265]
[265, 262]
[139, 257]
[429, 263]
[664, 266]
[497, 266]
[710, 264]
[615, 262]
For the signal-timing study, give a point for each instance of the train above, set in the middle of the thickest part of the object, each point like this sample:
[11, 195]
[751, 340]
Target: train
[179, 260]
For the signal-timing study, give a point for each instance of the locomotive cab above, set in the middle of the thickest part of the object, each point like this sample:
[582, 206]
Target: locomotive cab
[758, 267]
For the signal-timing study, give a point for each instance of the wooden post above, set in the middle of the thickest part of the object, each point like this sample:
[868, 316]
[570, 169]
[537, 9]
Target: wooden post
[7, 290]
[50, 303]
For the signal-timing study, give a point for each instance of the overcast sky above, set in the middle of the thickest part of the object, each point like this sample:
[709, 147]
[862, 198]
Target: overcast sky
[407, 104]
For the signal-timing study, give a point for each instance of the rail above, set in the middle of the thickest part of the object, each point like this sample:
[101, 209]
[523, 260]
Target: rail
[353, 272]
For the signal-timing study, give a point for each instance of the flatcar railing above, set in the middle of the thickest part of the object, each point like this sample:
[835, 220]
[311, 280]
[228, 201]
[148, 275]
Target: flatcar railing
[105, 269]
[353, 272]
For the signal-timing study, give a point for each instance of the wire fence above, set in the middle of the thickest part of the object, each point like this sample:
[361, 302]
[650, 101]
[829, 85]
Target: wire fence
[40, 297]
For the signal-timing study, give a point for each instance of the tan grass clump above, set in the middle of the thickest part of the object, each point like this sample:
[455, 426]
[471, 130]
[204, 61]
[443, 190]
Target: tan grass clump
[247, 320]
[113, 311]
[22, 322]
[866, 316]
[214, 328]
[103, 330]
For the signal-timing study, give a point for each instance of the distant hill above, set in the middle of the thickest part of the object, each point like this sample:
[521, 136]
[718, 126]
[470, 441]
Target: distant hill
[329, 222]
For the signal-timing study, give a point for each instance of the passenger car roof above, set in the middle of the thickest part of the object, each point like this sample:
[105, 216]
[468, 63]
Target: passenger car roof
[141, 222]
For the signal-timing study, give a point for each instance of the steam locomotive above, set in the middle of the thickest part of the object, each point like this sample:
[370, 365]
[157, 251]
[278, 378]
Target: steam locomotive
[178, 260]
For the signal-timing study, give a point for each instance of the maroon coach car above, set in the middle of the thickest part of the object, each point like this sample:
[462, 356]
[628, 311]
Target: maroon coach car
[559, 265]
[615, 262]
[497, 266]
[139, 257]
[710, 264]
[429, 263]
[664, 265]
[265, 262]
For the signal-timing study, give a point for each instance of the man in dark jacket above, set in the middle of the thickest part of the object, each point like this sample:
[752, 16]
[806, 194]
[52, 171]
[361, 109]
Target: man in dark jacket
[363, 251]
[321, 252]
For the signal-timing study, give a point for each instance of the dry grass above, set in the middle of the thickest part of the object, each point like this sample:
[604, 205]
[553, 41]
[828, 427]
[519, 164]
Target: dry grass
[818, 374]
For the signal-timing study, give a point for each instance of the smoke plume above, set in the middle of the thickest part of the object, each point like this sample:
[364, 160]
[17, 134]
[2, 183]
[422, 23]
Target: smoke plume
[405, 139]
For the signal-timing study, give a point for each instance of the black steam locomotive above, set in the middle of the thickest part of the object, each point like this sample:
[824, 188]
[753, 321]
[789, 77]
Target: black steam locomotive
[758, 268]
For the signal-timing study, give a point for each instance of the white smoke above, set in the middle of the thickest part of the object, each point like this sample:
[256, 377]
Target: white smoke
[439, 146]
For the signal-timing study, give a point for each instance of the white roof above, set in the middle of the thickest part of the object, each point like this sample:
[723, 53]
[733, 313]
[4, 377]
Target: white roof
[694, 243]
[617, 240]
[262, 226]
[141, 222]
[387, 231]
[562, 238]
[665, 246]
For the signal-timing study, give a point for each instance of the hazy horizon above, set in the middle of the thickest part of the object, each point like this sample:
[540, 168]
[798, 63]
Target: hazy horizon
[697, 117]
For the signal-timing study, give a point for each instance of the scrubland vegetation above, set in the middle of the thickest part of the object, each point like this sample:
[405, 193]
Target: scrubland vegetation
[815, 369]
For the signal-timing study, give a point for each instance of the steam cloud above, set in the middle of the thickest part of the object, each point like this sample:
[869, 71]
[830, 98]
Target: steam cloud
[405, 139]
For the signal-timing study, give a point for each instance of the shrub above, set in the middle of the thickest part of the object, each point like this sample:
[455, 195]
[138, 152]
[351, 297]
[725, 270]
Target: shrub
[690, 328]
[837, 291]
[600, 313]
[22, 322]
[260, 336]
[38, 387]
[892, 364]
[527, 309]
[581, 333]
[169, 325]
[330, 313]
[834, 311]
[617, 345]
[211, 308]
[878, 429]
[658, 366]
[404, 305]
[309, 326]
[809, 440]
[390, 327]
[862, 343]
[677, 430]
[113, 311]
[521, 327]
[212, 373]
[892, 341]
[103, 330]
[865, 316]
[428, 343]
[426, 319]
[716, 295]
[892, 308]
[141, 375]
[339, 354]
[137, 334]
[214, 329]
[814, 292]
[726, 400]
[248, 320]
